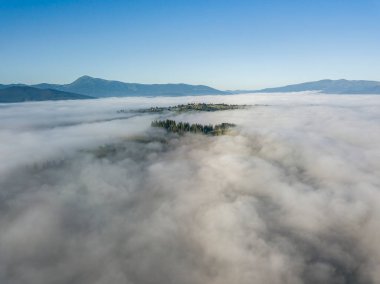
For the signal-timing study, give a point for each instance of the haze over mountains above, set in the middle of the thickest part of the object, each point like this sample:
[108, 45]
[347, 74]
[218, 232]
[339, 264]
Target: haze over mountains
[25, 93]
[87, 87]
[96, 87]
[328, 87]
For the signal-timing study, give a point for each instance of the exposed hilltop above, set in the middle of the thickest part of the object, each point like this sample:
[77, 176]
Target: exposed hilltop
[189, 107]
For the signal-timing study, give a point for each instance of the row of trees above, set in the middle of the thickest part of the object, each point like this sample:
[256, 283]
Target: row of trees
[188, 107]
[204, 107]
[182, 127]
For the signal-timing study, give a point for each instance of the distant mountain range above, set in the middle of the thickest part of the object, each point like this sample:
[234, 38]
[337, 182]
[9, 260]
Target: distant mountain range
[96, 87]
[87, 87]
[327, 86]
[16, 94]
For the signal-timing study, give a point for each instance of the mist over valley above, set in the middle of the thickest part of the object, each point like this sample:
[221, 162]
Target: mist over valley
[92, 195]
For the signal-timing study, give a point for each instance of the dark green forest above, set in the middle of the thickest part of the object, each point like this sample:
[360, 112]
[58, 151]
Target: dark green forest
[183, 127]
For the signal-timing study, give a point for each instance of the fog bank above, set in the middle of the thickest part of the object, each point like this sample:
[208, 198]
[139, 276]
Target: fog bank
[291, 196]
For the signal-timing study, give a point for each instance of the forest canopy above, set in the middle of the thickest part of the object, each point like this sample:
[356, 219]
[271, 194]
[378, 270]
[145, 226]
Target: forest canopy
[182, 127]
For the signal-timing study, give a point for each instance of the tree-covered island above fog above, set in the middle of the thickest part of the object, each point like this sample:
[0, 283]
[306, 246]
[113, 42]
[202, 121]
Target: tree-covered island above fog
[183, 127]
[164, 139]
[170, 126]
[188, 107]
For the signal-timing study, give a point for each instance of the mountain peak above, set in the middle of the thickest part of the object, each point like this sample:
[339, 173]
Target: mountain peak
[98, 87]
[84, 78]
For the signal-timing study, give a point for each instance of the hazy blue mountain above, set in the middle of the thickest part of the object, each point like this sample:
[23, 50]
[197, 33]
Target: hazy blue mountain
[96, 87]
[16, 94]
[328, 87]
[11, 85]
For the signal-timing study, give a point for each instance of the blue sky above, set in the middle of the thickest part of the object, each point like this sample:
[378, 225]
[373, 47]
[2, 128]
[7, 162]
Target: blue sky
[228, 44]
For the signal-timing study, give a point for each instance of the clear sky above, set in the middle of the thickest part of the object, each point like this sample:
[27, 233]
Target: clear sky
[228, 44]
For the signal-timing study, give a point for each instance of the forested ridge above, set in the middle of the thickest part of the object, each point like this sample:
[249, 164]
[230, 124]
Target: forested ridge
[183, 127]
[189, 107]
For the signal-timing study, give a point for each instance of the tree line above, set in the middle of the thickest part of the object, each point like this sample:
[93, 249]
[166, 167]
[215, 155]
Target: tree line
[182, 127]
[187, 108]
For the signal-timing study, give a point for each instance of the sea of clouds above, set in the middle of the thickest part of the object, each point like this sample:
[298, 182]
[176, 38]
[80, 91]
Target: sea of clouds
[291, 196]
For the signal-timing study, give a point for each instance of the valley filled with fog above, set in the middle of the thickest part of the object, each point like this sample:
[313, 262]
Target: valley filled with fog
[291, 195]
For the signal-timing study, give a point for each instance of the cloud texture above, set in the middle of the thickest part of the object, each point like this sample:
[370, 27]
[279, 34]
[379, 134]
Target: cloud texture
[292, 197]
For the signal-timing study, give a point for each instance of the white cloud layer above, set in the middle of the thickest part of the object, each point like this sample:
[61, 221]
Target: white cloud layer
[292, 197]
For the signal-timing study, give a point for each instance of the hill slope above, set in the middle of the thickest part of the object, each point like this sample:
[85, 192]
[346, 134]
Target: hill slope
[329, 87]
[96, 87]
[12, 85]
[16, 94]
